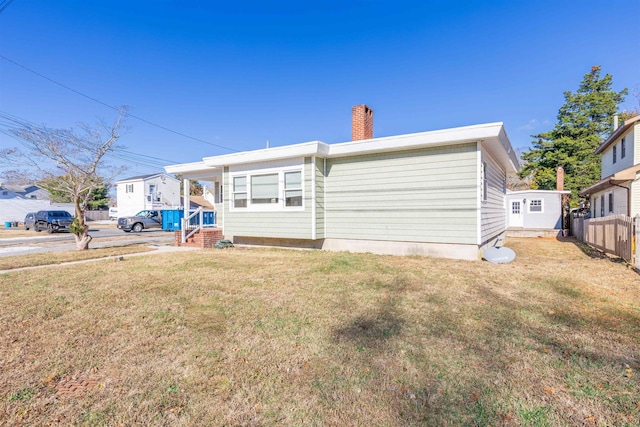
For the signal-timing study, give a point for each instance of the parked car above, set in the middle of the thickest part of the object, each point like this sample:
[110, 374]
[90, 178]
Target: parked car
[30, 221]
[52, 221]
[140, 221]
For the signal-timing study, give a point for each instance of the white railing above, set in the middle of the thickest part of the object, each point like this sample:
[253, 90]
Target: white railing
[200, 218]
[636, 242]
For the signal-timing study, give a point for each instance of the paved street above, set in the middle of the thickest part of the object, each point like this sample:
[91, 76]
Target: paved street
[102, 237]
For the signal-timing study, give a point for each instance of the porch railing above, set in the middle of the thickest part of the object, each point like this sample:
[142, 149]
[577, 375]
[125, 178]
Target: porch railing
[197, 220]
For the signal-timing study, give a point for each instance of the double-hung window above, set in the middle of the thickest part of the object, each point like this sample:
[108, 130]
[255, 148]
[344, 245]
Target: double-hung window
[623, 148]
[293, 188]
[129, 188]
[615, 151]
[240, 192]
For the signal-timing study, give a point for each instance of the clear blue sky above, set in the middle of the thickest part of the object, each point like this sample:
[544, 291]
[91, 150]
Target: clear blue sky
[239, 73]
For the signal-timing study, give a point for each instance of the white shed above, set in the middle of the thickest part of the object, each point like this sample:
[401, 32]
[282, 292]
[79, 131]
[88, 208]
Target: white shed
[535, 212]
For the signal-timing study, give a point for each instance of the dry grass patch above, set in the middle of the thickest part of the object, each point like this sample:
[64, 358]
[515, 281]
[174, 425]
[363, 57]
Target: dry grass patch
[48, 258]
[277, 337]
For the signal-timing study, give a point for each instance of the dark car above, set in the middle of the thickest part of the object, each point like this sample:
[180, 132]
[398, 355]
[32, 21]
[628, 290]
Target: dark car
[53, 221]
[30, 221]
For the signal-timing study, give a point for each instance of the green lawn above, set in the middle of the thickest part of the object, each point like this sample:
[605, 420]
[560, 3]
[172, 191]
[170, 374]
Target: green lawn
[259, 337]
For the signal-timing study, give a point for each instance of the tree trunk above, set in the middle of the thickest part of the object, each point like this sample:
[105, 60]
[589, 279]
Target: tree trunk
[81, 230]
[83, 239]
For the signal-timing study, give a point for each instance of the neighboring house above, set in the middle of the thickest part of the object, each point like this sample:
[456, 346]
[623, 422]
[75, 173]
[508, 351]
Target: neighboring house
[32, 192]
[16, 201]
[439, 193]
[152, 192]
[618, 191]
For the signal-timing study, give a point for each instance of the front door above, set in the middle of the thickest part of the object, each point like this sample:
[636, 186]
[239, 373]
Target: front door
[516, 214]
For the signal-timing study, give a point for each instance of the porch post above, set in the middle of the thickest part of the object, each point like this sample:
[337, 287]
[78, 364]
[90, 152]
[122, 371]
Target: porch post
[186, 190]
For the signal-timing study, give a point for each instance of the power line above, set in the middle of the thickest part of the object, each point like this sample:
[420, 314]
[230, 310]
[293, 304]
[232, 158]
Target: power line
[114, 108]
[4, 4]
[8, 121]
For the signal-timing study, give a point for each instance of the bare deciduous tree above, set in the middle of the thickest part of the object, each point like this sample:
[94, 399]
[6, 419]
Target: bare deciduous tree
[67, 161]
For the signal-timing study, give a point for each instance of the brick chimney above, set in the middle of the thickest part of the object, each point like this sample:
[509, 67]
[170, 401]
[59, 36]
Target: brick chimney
[560, 178]
[361, 122]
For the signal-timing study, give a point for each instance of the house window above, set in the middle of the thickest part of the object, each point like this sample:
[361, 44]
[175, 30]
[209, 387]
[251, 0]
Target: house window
[623, 148]
[293, 188]
[602, 205]
[129, 188]
[484, 181]
[515, 208]
[594, 202]
[5, 193]
[240, 192]
[264, 189]
[611, 202]
[615, 149]
[535, 205]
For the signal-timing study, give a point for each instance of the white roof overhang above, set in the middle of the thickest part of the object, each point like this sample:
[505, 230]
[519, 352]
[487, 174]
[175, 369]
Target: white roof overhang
[492, 137]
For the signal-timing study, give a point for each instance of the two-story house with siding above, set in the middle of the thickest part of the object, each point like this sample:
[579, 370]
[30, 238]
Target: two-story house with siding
[151, 192]
[618, 191]
[439, 193]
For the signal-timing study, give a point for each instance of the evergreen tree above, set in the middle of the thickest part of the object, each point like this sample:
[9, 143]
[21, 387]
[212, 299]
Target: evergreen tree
[584, 121]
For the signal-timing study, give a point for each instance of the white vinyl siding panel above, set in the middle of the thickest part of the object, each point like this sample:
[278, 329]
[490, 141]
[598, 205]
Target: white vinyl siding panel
[289, 223]
[493, 212]
[426, 195]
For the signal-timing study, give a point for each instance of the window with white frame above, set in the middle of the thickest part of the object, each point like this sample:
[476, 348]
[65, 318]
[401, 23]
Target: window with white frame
[602, 205]
[128, 188]
[615, 150]
[240, 192]
[264, 189]
[623, 148]
[484, 182]
[293, 188]
[535, 205]
[282, 189]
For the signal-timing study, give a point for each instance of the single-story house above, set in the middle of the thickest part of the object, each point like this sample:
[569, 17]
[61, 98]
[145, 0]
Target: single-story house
[16, 201]
[618, 191]
[151, 192]
[439, 193]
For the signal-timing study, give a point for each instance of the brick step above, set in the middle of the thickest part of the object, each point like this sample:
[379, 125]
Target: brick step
[205, 238]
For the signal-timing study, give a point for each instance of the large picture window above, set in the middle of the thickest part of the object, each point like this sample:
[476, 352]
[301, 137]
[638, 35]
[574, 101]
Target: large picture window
[264, 189]
[293, 188]
[240, 192]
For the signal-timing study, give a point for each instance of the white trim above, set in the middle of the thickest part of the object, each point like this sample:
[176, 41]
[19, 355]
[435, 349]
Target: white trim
[324, 195]
[509, 192]
[479, 193]
[314, 234]
[492, 135]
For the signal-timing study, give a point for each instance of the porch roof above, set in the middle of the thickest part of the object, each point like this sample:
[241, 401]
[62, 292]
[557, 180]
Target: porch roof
[617, 178]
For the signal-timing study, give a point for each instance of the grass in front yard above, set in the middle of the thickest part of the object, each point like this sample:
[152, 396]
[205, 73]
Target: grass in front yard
[277, 337]
[47, 258]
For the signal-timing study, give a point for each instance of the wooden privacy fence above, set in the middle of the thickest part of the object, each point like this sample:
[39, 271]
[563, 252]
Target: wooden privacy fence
[636, 241]
[612, 234]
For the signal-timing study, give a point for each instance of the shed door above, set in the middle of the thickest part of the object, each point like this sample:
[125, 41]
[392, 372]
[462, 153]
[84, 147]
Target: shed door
[516, 214]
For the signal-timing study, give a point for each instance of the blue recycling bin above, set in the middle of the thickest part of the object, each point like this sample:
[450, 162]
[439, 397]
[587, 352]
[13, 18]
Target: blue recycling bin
[172, 219]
